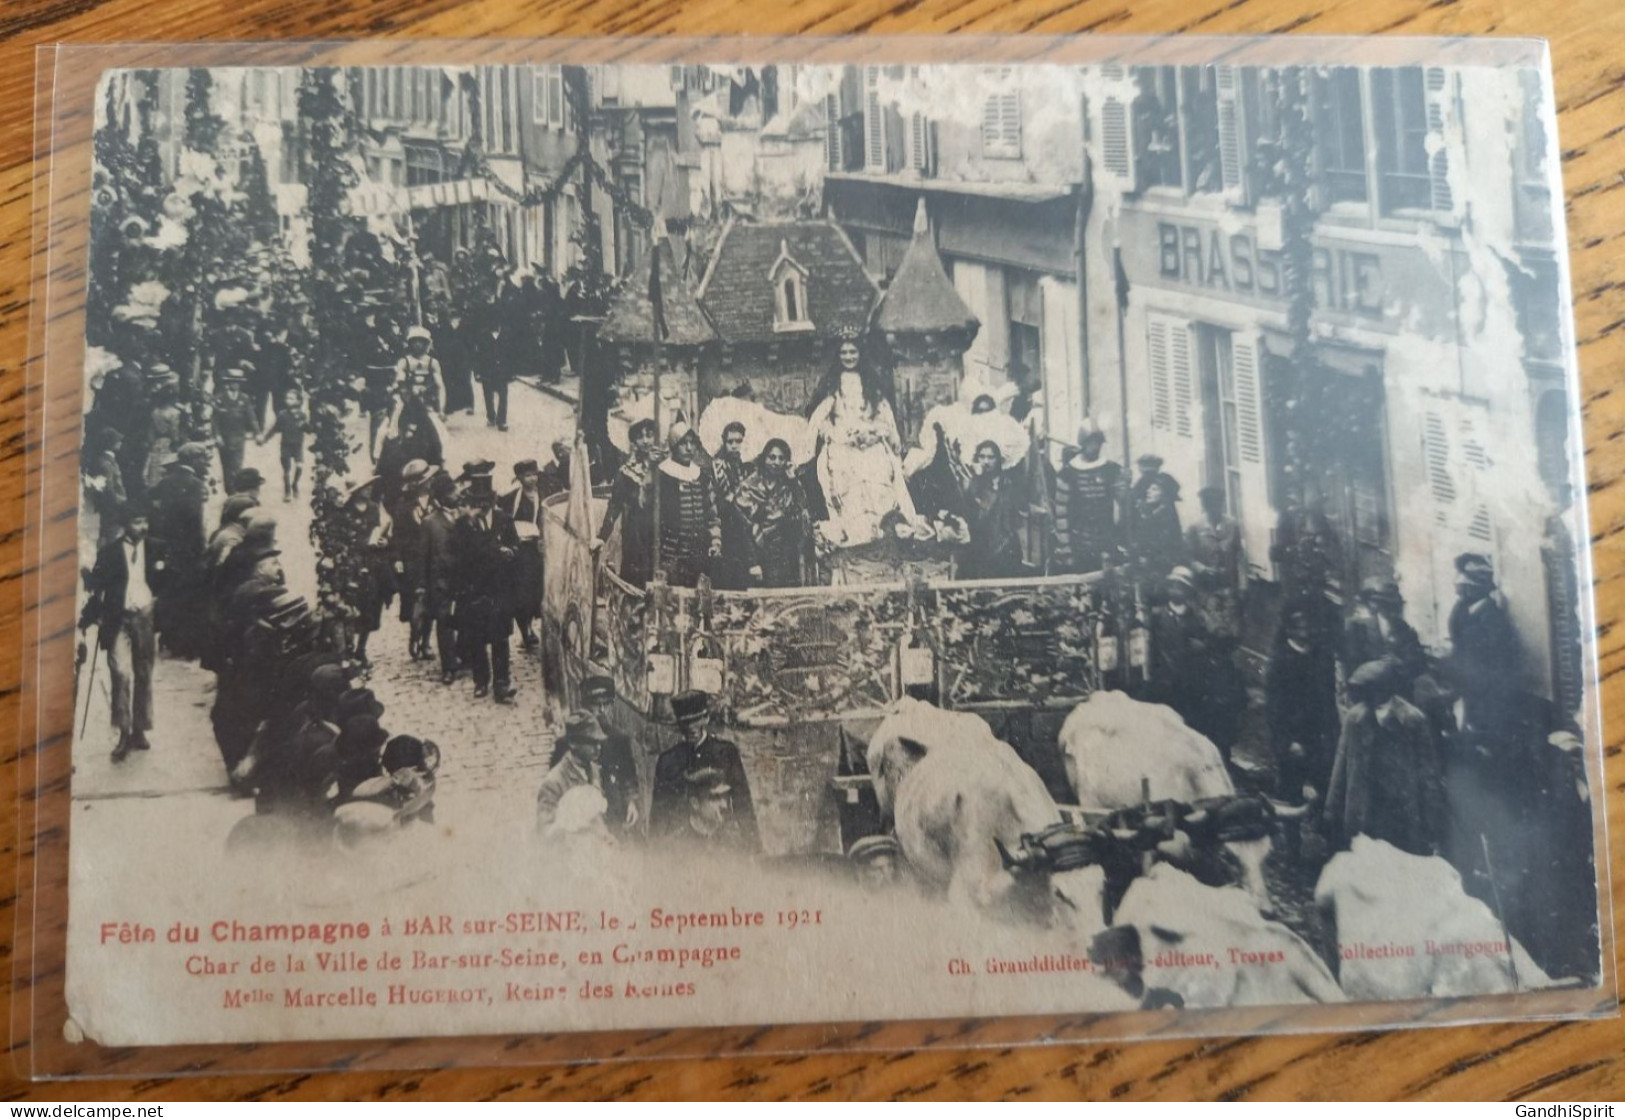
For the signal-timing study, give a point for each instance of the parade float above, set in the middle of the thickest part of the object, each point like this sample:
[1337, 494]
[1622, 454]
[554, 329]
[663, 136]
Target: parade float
[800, 675]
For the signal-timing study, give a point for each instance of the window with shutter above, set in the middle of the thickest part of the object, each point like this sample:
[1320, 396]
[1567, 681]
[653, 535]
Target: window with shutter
[832, 133]
[922, 148]
[1233, 144]
[555, 97]
[1438, 110]
[1254, 511]
[1182, 369]
[1001, 126]
[538, 95]
[874, 122]
[1249, 411]
[1116, 144]
[1162, 410]
[1436, 455]
[1399, 117]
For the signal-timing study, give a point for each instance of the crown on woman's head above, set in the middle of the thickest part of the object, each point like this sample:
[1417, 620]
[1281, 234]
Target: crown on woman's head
[848, 332]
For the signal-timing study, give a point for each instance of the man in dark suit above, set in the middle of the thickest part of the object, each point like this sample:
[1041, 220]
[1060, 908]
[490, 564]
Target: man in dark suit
[121, 606]
[178, 542]
[440, 571]
[698, 750]
[486, 547]
[523, 505]
[598, 694]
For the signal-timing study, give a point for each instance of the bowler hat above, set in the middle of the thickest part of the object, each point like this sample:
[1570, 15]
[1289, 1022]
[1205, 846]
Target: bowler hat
[474, 468]
[1150, 461]
[583, 725]
[598, 688]
[359, 702]
[328, 681]
[524, 467]
[247, 479]
[1372, 674]
[692, 704]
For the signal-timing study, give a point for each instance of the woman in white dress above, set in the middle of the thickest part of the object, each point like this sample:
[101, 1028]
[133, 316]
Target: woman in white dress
[859, 450]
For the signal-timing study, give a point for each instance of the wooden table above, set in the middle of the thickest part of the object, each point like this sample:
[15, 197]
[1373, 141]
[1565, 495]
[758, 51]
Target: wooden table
[1559, 1062]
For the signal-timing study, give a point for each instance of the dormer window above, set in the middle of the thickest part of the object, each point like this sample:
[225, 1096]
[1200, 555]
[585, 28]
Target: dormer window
[789, 282]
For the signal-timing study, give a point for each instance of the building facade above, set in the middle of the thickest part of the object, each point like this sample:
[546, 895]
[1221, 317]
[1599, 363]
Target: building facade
[998, 157]
[1424, 419]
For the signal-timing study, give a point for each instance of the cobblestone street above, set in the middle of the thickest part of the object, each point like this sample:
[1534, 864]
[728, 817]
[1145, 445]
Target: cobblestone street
[494, 755]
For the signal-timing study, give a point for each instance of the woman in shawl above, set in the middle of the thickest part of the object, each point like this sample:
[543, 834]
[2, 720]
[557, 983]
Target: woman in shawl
[774, 507]
[990, 504]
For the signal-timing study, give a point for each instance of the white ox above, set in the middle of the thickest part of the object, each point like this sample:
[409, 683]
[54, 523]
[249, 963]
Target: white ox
[1119, 751]
[1407, 929]
[1210, 946]
[955, 791]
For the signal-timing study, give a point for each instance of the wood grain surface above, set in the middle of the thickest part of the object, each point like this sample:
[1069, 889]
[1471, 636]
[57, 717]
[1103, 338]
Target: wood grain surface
[1536, 1060]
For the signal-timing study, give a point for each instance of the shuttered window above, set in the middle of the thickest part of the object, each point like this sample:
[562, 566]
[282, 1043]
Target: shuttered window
[1182, 369]
[832, 133]
[1116, 151]
[1001, 126]
[922, 157]
[1438, 93]
[1233, 143]
[874, 122]
[1436, 454]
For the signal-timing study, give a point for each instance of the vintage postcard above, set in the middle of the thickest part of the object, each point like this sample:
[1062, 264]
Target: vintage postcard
[569, 547]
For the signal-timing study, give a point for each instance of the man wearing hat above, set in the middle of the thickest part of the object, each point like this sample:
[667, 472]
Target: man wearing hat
[695, 751]
[409, 560]
[178, 543]
[598, 694]
[690, 518]
[440, 571]
[523, 504]
[418, 373]
[555, 477]
[1387, 782]
[247, 481]
[1377, 629]
[632, 505]
[710, 823]
[164, 424]
[1094, 500]
[234, 423]
[494, 339]
[486, 547]
[582, 763]
[120, 605]
[1484, 651]
[1300, 706]
[1187, 670]
[255, 558]
[1213, 543]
